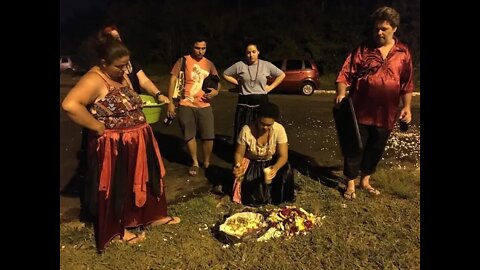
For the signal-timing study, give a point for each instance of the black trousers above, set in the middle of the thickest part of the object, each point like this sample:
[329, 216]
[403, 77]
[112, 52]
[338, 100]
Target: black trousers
[374, 140]
[246, 111]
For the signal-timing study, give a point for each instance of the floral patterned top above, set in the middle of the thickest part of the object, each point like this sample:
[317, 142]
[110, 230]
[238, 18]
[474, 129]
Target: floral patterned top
[120, 108]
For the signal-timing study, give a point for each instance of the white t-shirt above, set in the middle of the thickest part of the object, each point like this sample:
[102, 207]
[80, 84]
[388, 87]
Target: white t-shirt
[254, 151]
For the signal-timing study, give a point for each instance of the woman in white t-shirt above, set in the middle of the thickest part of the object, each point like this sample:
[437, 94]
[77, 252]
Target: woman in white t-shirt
[263, 144]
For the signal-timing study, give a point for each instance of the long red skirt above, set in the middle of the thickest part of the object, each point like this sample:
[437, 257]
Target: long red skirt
[125, 180]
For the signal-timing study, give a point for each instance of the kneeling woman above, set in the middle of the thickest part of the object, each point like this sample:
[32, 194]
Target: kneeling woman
[262, 144]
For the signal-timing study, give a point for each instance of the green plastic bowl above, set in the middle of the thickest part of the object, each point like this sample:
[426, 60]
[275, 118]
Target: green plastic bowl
[151, 110]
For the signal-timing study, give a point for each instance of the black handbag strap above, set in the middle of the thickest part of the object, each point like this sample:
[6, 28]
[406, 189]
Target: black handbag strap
[359, 73]
[183, 60]
[182, 69]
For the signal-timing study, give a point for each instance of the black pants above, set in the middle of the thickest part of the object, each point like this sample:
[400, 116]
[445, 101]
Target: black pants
[246, 111]
[374, 140]
[256, 192]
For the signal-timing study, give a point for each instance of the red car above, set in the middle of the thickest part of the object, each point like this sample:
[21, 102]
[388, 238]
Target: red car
[301, 76]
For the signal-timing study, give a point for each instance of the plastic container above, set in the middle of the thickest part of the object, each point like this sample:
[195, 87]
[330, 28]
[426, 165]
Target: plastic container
[266, 172]
[151, 109]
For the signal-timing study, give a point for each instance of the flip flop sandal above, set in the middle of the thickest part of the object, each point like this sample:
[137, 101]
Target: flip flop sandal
[132, 240]
[349, 196]
[373, 192]
[169, 220]
[136, 239]
[193, 171]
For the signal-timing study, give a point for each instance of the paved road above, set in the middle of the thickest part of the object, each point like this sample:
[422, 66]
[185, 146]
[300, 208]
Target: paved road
[307, 120]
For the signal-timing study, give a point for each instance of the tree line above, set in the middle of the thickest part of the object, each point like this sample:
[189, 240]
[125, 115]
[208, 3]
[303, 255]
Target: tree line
[159, 31]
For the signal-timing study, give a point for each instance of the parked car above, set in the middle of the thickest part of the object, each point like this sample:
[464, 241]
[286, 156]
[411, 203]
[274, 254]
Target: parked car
[72, 65]
[301, 76]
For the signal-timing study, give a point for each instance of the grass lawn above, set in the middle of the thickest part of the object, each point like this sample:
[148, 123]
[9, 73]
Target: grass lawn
[366, 233]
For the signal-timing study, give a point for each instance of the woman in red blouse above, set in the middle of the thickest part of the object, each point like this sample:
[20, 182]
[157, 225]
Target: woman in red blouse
[379, 73]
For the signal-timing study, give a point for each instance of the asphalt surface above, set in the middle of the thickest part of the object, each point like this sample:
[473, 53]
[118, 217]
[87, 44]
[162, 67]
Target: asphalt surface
[313, 148]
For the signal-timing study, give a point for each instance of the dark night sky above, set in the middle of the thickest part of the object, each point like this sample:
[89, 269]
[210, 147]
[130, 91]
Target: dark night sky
[69, 7]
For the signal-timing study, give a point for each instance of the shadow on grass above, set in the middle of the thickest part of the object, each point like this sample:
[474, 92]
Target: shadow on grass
[308, 166]
[221, 179]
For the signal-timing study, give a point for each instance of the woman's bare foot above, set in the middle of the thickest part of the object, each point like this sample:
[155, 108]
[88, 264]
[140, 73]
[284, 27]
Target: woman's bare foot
[365, 184]
[372, 191]
[134, 239]
[349, 192]
[166, 220]
[130, 238]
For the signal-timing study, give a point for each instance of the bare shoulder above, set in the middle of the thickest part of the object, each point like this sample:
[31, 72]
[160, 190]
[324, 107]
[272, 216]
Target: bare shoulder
[91, 78]
[90, 85]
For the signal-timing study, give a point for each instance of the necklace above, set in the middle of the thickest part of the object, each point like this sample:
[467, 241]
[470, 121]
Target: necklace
[252, 82]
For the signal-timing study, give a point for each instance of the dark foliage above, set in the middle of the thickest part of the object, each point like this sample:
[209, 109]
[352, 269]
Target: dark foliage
[158, 31]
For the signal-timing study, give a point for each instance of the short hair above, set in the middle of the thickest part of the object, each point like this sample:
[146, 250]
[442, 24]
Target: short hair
[386, 14]
[199, 38]
[269, 110]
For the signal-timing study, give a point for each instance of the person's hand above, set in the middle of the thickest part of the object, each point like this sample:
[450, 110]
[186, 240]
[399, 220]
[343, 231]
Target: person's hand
[171, 110]
[273, 172]
[207, 97]
[405, 115]
[99, 130]
[337, 100]
[268, 88]
[162, 99]
[238, 171]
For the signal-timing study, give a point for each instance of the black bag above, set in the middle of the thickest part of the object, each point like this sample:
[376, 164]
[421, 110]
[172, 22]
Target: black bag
[347, 128]
[211, 81]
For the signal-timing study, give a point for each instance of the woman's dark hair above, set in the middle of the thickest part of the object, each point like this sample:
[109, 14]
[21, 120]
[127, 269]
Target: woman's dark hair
[269, 110]
[111, 49]
[104, 33]
[249, 42]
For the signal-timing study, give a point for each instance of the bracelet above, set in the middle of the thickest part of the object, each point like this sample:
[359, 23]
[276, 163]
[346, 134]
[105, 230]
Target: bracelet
[158, 94]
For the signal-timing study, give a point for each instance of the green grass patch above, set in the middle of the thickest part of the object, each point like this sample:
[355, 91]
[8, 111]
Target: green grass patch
[368, 233]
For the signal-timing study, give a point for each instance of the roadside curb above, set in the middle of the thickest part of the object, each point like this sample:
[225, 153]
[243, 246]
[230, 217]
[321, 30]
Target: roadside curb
[321, 91]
